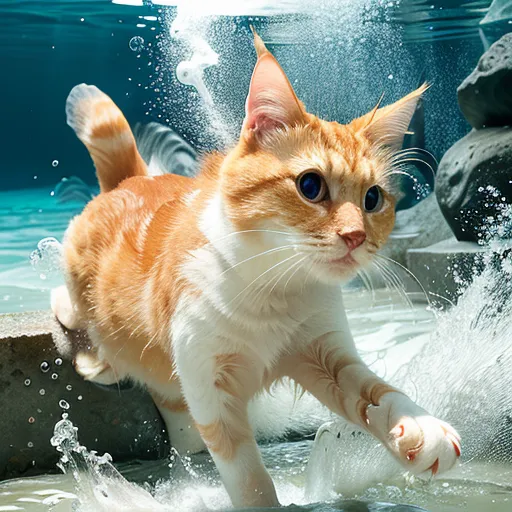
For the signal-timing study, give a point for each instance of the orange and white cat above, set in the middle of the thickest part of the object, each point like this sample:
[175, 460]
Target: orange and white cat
[209, 289]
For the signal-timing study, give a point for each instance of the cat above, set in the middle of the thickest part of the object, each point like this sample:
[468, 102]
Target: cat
[209, 289]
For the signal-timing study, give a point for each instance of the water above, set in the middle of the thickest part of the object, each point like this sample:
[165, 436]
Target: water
[462, 381]
[191, 72]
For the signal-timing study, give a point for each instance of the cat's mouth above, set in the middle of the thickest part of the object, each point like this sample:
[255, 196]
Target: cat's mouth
[346, 261]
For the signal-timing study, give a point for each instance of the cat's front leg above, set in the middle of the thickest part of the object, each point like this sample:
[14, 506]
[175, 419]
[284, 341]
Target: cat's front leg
[217, 388]
[331, 370]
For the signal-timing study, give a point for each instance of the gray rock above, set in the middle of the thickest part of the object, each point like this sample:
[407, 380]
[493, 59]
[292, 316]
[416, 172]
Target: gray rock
[419, 226]
[485, 97]
[474, 182]
[434, 267]
[32, 399]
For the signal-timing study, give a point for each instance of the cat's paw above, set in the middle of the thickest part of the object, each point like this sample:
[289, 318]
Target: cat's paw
[424, 443]
[421, 442]
[63, 308]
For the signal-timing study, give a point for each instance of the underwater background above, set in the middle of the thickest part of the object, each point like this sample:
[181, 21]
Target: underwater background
[340, 56]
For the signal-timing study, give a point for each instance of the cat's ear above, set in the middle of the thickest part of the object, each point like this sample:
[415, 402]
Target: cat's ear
[388, 125]
[271, 102]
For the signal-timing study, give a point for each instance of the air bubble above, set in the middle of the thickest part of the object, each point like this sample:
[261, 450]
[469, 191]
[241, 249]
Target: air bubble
[31, 419]
[46, 259]
[42, 392]
[45, 367]
[27, 382]
[58, 361]
[69, 387]
[79, 397]
[136, 44]
[30, 444]
[55, 163]
[55, 376]
[63, 404]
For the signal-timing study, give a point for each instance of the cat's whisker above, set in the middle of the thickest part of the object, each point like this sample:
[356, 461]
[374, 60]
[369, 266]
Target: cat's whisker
[367, 280]
[300, 262]
[391, 283]
[269, 251]
[261, 275]
[413, 150]
[308, 274]
[277, 279]
[442, 297]
[409, 273]
[415, 160]
[235, 233]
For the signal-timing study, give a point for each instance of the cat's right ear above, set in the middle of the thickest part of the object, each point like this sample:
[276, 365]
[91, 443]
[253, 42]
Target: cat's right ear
[271, 102]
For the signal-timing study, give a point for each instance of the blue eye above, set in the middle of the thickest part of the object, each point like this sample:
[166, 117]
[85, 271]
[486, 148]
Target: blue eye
[373, 199]
[312, 186]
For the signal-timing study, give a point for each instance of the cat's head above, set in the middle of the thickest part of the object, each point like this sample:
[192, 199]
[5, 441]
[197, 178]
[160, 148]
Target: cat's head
[325, 186]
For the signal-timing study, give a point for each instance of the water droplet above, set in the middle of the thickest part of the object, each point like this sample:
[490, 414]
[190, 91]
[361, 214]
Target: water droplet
[69, 387]
[27, 382]
[45, 367]
[136, 44]
[63, 404]
[55, 163]
[42, 392]
[31, 419]
[58, 361]
[79, 397]
[55, 376]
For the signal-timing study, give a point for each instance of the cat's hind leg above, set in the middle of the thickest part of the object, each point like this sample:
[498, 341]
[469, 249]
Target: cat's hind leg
[181, 429]
[89, 366]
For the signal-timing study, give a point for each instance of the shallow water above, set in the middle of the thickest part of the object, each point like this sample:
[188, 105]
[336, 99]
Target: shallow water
[391, 336]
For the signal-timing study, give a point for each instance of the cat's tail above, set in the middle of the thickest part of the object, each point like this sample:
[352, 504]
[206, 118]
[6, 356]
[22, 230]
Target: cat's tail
[105, 132]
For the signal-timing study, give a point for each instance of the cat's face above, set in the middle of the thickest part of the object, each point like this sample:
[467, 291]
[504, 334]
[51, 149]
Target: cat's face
[322, 185]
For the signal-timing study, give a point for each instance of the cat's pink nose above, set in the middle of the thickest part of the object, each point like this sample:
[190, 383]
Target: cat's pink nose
[353, 239]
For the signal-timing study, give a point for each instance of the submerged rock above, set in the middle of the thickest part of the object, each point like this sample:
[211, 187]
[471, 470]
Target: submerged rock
[474, 182]
[485, 96]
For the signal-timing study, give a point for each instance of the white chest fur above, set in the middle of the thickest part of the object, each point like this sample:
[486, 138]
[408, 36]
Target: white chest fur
[255, 293]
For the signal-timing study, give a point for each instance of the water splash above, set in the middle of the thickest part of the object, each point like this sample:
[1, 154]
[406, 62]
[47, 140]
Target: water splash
[100, 487]
[190, 28]
[461, 374]
[46, 259]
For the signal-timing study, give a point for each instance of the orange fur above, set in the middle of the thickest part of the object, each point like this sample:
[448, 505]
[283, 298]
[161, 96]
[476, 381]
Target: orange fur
[125, 255]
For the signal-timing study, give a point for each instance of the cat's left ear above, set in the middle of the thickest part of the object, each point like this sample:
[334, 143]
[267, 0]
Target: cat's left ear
[271, 102]
[388, 125]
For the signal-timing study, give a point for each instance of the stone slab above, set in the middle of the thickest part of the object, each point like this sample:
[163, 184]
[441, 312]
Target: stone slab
[124, 423]
[442, 267]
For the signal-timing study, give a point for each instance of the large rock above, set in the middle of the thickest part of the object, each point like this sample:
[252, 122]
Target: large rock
[485, 97]
[474, 182]
[38, 383]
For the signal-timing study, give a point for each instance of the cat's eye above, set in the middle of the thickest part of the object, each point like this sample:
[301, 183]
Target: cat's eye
[373, 199]
[312, 186]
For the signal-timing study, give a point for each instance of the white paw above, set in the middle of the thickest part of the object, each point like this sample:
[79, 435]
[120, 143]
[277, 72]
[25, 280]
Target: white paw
[418, 440]
[63, 308]
[91, 368]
